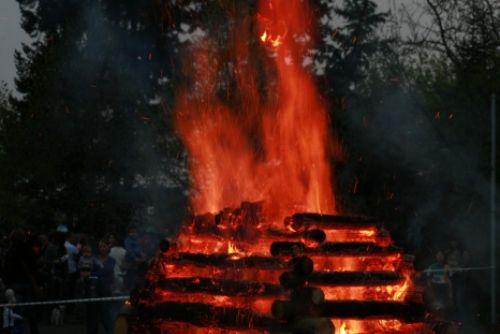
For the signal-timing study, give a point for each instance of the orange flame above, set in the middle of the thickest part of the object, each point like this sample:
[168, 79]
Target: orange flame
[272, 41]
[344, 329]
[273, 145]
[262, 134]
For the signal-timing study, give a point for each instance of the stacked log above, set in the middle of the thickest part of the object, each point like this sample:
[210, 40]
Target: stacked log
[307, 300]
[304, 221]
[290, 248]
[206, 315]
[219, 287]
[211, 293]
[299, 314]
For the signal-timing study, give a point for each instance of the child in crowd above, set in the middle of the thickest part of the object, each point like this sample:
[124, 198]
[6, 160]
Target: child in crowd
[10, 325]
[87, 265]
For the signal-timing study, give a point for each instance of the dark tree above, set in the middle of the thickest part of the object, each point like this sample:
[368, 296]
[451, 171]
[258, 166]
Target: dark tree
[90, 136]
[348, 40]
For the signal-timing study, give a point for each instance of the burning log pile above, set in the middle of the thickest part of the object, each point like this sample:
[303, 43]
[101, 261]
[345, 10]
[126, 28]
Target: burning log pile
[241, 272]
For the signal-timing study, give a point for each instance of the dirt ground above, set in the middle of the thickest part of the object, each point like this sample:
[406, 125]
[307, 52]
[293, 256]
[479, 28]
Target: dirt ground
[64, 329]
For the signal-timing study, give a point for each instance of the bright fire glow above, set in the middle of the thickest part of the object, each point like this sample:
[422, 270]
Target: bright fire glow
[262, 135]
[272, 41]
[344, 329]
[273, 145]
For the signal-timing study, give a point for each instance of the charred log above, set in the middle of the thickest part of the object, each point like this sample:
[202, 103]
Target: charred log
[288, 248]
[226, 261]
[409, 312]
[288, 310]
[164, 245]
[313, 234]
[206, 315]
[308, 295]
[292, 280]
[331, 248]
[353, 278]
[220, 287]
[302, 265]
[355, 247]
[303, 221]
[307, 325]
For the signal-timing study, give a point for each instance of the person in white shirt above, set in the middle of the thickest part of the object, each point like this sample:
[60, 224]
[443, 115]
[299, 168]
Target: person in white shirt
[117, 252]
[9, 316]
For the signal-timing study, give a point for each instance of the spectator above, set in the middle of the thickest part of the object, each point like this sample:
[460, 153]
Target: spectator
[102, 312]
[132, 247]
[438, 282]
[149, 242]
[59, 265]
[453, 254]
[48, 255]
[10, 318]
[87, 264]
[118, 252]
[72, 253]
[463, 303]
[134, 257]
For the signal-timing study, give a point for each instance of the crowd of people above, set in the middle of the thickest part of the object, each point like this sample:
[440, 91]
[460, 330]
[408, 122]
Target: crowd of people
[65, 265]
[449, 293]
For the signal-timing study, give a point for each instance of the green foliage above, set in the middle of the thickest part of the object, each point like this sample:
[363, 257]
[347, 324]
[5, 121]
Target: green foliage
[90, 133]
[465, 73]
[418, 129]
[349, 39]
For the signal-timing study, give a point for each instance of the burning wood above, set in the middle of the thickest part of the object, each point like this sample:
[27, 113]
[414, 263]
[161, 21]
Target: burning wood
[206, 315]
[222, 276]
[308, 295]
[228, 261]
[219, 287]
[307, 325]
[348, 248]
[350, 310]
[304, 221]
[313, 234]
[409, 312]
[347, 278]
[241, 291]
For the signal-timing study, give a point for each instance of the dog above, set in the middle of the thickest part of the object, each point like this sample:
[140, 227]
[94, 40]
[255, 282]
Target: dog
[57, 316]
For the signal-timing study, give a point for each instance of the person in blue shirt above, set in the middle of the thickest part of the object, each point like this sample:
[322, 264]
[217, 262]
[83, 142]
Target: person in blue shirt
[438, 281]
[134, 257]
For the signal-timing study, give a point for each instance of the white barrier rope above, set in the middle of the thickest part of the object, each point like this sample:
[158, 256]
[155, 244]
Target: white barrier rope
[67, 301]
[456, 269]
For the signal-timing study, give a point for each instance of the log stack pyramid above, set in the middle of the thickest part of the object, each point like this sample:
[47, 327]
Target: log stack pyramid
[316, 274]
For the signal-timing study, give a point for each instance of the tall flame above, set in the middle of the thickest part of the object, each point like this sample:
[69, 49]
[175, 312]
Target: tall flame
[269, 144]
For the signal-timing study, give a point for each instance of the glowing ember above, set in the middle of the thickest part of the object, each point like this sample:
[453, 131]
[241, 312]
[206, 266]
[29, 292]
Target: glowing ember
[344, 329]
[272, 41]
[232, 250]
